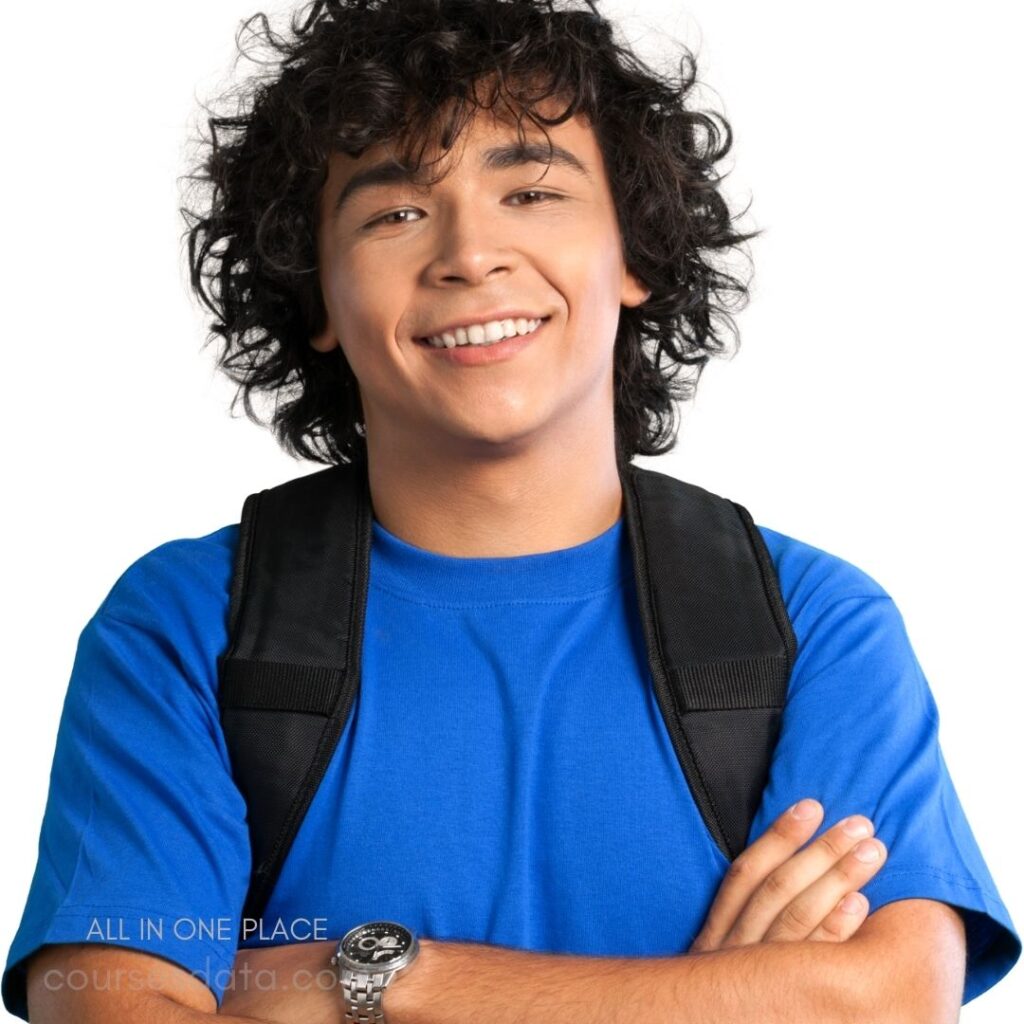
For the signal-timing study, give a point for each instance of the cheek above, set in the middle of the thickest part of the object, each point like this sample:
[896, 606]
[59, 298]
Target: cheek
[592, 285]
[364, 311]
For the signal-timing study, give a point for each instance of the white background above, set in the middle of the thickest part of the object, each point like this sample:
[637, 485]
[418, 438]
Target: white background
[872, 409]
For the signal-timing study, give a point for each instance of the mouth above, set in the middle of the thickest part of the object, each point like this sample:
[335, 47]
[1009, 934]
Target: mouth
[484, 353]
[480, 344]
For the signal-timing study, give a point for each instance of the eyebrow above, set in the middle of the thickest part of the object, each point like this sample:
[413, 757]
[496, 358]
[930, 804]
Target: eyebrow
[499, 158]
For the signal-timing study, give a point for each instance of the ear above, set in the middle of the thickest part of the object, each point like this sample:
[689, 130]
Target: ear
[634, 292]
[325, 340]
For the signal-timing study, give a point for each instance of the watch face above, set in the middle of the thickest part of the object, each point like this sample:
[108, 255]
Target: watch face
[377, 944]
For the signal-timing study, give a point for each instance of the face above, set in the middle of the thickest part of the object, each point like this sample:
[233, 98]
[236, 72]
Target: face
[492, 240]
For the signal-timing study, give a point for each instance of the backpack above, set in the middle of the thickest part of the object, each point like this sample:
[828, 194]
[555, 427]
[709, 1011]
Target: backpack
[719, 642]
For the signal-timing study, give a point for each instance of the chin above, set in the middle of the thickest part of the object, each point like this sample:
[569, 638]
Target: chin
[500, 441]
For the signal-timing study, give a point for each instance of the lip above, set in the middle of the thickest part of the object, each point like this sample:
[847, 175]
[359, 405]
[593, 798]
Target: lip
[501, 314]
[474, 355]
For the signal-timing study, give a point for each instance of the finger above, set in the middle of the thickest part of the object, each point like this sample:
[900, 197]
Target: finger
[848, 915]
[803, 914]
[781, 840]
[790, 879]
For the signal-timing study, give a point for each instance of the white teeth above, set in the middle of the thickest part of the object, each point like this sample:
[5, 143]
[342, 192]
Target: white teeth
[484, 334]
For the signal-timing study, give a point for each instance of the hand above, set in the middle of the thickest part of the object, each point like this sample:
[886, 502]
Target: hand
[772, 893]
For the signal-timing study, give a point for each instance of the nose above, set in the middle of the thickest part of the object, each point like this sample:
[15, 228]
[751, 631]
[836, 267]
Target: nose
[469, 251]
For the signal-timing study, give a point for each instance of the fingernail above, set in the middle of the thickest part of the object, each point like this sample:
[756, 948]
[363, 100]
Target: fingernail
[867, 852]
[855, 828]
[804, 809]
[851, 903]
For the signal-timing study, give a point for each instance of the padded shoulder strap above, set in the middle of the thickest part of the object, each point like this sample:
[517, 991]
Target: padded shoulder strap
[291, 671]
[719, 642]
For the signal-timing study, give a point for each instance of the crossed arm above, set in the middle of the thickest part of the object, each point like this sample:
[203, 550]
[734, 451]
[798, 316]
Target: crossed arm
[776, 947]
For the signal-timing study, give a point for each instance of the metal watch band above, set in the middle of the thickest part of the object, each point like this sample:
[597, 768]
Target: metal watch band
[363, 997]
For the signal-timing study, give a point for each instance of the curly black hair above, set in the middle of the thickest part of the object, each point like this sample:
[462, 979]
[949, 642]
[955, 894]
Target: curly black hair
[354, 73]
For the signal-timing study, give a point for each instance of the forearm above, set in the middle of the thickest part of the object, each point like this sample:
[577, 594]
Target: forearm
[153, 1009]
[772, 983]
[97, 984]
[800, 982]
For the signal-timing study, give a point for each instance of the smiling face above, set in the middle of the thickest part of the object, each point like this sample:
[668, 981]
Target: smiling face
[398, 262]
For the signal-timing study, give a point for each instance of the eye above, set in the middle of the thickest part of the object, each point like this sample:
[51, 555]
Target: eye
[394, 213]
[537, 192]
[542, 197]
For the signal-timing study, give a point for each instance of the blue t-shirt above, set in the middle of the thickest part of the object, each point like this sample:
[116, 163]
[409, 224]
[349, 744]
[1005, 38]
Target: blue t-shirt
[505, 775]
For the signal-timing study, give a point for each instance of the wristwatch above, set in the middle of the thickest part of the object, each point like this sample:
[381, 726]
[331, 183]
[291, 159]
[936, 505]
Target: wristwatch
[368, 958]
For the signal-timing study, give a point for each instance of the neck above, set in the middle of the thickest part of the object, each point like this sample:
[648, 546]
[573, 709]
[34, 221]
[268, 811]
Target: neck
[525, 502]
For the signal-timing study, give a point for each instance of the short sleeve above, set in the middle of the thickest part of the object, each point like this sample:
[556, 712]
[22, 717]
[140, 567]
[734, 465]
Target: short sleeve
[143, 842]
[860, 734]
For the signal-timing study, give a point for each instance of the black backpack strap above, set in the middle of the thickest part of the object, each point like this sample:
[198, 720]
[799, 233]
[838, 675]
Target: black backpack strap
[290, 673]
[719, 642]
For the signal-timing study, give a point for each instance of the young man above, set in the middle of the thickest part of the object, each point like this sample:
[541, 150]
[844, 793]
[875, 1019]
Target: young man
[478, 340]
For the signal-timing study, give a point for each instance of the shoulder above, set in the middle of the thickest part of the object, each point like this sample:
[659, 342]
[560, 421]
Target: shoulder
[847, 627]
[812, 579]
[176, 581]
[163, 623]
